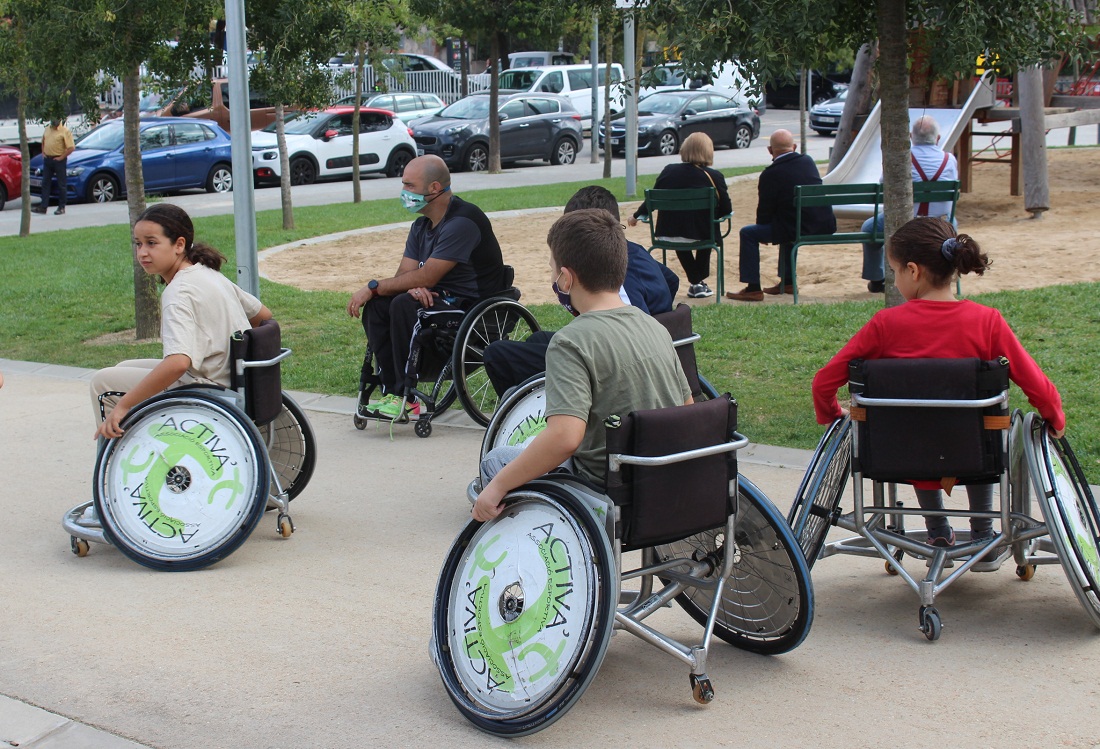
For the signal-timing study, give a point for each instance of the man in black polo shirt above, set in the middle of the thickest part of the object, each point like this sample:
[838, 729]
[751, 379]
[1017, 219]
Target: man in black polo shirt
[451, 258]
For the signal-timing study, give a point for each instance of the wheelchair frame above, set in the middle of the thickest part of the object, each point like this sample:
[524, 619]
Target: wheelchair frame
[732, 595]
[280, 454]
[461, 375]
[1069, 533]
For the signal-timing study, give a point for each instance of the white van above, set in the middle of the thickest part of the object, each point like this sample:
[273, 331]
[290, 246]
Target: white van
[539, 59]
[571, 81]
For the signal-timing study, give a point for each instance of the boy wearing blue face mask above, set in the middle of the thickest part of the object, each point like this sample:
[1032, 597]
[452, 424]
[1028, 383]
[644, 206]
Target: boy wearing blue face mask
[611, 359]
[648, 285]
[451, 259]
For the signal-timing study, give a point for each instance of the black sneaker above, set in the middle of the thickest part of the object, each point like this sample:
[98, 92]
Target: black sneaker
[699, 290]
[876, 287]
[58, 212]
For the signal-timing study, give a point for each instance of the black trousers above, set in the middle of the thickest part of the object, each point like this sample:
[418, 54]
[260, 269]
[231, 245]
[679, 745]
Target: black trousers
[696, 264]
[388, 322]
[508, 363]
[54, 168]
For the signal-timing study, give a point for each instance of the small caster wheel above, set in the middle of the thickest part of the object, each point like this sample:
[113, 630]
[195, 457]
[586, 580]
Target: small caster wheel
[701, 689]
[359, 421]
[423, 428]
[79, 546]
[930, 623]
[1025, 571]
[898, 555]
[286, 527]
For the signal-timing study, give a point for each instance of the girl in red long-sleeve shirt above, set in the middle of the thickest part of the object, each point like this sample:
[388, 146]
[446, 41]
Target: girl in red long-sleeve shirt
[925, 255]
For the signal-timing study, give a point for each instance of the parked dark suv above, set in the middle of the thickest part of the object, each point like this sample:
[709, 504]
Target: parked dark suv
[532, 126]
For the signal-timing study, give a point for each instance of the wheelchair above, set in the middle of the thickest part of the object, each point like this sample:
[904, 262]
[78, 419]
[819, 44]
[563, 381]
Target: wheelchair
[525, 604]
[951, 414]
[447, 352]
[197, 466]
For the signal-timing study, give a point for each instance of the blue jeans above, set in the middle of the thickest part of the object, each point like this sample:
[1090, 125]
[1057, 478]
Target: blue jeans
[752, 236]
[874, 259]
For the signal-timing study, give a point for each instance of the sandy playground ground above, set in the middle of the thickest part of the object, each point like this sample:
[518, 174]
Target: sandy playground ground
[1060, 248]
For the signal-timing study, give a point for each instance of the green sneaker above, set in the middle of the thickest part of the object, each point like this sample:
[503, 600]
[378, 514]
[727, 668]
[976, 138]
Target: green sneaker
[390, 407]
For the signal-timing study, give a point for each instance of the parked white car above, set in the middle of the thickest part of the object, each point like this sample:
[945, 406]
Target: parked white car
[408, 107]
[320, 144]
[574, 82]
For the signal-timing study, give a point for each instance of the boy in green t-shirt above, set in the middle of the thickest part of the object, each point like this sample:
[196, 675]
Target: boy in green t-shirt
[611, 359]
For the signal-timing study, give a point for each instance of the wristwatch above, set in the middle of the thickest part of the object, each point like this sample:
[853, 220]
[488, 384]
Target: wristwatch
[373, 285]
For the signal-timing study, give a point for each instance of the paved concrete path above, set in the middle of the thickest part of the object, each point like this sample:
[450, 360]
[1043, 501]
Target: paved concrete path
[320, 640]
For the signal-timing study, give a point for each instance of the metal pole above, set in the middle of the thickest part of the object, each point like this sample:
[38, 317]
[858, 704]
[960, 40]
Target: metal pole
[630, 73]
[594, 56]
[240, 124]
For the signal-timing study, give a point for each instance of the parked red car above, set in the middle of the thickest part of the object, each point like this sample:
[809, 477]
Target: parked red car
[11, 174]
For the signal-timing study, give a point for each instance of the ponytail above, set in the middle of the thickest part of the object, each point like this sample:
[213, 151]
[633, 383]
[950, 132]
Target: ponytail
[933, 244]
[176, 223]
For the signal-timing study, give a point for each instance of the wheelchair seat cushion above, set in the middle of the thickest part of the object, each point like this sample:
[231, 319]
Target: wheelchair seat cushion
[666, 503]
[263, 393]
[909, 443]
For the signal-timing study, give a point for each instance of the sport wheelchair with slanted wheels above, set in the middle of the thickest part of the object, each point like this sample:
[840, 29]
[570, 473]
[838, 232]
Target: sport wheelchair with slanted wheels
[925, 419]
[526, 603]
[447, 350]
[196, 467]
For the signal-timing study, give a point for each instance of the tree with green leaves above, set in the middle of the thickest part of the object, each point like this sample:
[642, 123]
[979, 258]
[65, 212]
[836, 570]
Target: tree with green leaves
[494, 21]
[297, 38]
[373, 28]
[776, 37]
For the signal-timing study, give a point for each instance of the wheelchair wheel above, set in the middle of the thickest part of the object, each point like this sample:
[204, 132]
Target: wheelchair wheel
[520, 418]
[821, 489]
[1069, 509]
[767, 601]
[186, 483]
[291, 448]
[498, 319]
[443, 391]
[523, 612]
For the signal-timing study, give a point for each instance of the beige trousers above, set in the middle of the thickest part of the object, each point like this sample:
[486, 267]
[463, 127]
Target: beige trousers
[122, 378]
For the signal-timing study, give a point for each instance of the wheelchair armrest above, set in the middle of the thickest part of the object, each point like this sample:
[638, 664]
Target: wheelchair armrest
[616, 460]
[243, 364]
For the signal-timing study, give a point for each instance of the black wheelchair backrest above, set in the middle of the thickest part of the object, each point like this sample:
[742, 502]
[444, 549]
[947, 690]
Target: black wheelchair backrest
[263, 392]
[922, 440]
[664, 503]
[678, 324]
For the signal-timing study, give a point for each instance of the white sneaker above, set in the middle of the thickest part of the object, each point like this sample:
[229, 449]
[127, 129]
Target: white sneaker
[699, 290]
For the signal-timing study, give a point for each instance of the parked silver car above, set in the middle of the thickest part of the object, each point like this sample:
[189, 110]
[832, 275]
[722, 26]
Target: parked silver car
[825, 117]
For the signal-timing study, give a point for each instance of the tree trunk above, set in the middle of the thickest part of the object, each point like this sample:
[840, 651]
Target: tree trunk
[494, 103]
[897, 178]
[25, 170]
[284, 167]
[1033, 141]
[803, 103]
[146, 303]
[356, 189]
[858, 102]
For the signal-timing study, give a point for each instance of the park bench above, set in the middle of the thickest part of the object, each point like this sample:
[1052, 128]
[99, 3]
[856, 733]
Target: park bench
[862, 194]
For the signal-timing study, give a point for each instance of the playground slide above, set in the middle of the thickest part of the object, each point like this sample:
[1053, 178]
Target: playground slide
[863, 162]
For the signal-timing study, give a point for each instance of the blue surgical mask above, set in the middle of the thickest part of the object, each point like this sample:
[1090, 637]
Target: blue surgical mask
[415, 203]
[564, 299]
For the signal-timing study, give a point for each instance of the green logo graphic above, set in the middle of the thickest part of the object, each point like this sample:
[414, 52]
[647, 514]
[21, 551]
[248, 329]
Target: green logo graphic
[495, 644]
[527, 429]
[196, 442]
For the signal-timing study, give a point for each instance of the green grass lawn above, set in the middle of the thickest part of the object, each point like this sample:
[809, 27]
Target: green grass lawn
[63, 290]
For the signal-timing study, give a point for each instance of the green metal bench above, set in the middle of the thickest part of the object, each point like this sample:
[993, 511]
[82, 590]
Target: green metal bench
[869, 194]
[688, 199]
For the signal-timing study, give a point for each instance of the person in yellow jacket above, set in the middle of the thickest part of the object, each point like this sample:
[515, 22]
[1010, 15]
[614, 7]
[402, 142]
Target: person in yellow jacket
[57, 144]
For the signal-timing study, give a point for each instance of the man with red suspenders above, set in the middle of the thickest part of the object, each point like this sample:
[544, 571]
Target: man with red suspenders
[930, 164]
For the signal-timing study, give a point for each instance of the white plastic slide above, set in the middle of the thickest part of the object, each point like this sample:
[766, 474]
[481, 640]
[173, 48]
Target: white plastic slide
[863, 162]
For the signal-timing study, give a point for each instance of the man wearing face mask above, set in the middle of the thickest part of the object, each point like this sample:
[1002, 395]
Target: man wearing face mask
[648, 285]
[451, 259]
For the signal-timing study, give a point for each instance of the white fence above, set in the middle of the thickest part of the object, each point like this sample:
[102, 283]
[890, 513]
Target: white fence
[444, 84]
